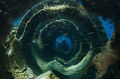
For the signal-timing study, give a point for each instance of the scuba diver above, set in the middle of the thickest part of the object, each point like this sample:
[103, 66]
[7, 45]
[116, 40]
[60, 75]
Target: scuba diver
[63, 46]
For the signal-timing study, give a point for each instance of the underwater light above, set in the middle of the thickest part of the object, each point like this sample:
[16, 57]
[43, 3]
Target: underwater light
[57, 37]
[63, 44]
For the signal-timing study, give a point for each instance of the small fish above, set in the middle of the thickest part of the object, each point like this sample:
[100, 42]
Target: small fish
[26, 32]
[59, 59]
[110, 27]
[61, 32]
[23, 23]
[0, 10]
[29, 44]
[65, 34]
[91, 33]
[94, 25]
[52, 26]
[8, 36]
[46, 44]
[33, 53]
[36, 39]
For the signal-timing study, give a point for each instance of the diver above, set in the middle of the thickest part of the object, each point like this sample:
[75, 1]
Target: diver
[63, 46]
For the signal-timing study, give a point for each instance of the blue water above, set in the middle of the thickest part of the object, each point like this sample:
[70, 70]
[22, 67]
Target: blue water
[109, 27]
[58, 40]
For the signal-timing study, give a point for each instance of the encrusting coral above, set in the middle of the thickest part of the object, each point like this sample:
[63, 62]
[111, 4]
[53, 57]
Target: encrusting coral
[104, 59]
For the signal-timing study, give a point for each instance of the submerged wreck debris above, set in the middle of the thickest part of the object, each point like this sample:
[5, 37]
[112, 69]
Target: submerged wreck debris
[40, 55]
[32, 51]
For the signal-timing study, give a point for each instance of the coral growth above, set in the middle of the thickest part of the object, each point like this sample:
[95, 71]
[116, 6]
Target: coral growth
[104, 59]
[10, 10]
